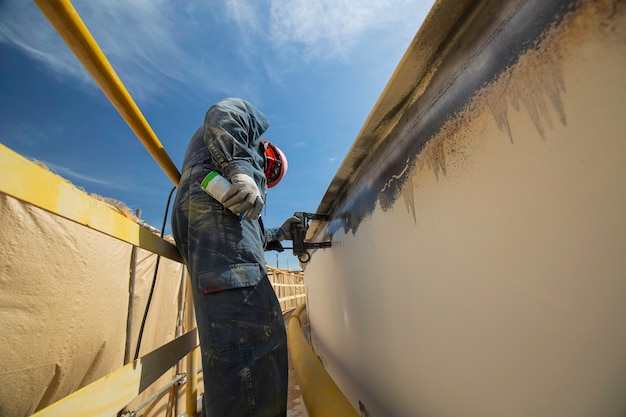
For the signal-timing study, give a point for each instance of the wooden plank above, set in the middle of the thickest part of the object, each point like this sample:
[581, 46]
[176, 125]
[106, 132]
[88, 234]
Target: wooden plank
[292, 297]
[26, 181]
[111, 393]
[288, 285]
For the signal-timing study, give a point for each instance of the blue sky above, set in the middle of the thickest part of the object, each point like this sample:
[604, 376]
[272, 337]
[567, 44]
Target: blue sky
[315, 68]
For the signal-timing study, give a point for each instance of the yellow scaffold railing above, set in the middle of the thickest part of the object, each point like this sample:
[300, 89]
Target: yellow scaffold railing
[321, 395]
[70, 26]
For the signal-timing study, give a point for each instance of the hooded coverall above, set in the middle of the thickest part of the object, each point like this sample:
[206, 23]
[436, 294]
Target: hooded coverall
[240, 324]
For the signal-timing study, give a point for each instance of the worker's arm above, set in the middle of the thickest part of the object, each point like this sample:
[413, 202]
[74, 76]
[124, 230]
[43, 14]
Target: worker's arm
[274, 235]
[232, 132]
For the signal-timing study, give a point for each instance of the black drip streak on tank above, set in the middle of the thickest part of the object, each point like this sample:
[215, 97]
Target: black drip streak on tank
[520, 34]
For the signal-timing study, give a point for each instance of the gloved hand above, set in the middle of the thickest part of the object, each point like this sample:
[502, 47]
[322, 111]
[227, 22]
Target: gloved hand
[243, 197]
[286, 227]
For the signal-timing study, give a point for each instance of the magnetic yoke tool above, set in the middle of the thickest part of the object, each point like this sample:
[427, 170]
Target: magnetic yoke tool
[298, 232]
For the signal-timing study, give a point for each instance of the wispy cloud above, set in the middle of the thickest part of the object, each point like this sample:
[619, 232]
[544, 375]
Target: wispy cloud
[26, 134]
[329, 28]
[73, 175]
[17, 20]
[325, 29]
[155, 43]
[139, 38]
[305, 32]
[31, 139]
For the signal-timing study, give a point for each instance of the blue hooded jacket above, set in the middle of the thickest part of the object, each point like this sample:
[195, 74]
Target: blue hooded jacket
[222, 250]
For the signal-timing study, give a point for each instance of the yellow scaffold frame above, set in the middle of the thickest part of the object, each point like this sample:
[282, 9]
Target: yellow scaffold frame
[41, 188]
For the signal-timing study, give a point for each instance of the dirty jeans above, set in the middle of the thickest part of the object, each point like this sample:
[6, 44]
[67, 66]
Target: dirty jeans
[240, 324]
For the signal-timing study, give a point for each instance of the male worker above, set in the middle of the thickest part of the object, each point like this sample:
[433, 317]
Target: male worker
[240, 324]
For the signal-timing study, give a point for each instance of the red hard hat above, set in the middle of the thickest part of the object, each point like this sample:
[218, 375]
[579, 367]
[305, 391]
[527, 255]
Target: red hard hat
[275, 164]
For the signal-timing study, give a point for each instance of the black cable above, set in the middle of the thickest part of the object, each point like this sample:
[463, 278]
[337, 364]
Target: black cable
[156, 270]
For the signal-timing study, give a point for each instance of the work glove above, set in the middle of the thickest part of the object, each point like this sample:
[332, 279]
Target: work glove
[243, 197]
[286, 227]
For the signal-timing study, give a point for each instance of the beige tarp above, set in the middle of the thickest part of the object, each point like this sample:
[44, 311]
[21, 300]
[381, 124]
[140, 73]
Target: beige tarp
[64, 304]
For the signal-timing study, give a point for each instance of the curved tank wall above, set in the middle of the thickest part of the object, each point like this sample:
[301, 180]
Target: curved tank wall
[477, 223]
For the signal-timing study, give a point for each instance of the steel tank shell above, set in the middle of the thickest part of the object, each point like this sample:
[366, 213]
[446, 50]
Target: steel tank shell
[478, 232]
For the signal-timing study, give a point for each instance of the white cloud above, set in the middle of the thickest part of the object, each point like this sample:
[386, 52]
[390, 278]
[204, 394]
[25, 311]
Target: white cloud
[71, 174]
[17, 20]
[157, 43]
[322, 27]
[325, 29]
[139, 38]
[374, 33]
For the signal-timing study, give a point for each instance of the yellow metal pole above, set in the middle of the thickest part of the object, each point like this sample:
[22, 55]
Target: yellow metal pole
[69, 25]
[321, 395]
[191, 390]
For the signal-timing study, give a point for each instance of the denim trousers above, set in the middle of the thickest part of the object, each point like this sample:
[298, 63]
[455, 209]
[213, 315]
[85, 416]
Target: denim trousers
[240, 324]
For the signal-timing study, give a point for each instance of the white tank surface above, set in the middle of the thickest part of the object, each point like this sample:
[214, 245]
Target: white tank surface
[478, 222]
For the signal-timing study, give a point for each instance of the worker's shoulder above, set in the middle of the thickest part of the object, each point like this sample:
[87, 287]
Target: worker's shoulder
[235, 103]
[235, 106]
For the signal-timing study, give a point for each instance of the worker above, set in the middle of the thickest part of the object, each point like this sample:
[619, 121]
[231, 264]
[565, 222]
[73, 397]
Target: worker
[240, 324]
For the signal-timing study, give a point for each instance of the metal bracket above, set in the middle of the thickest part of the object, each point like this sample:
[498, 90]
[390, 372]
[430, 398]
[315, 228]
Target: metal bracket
[298, 232]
